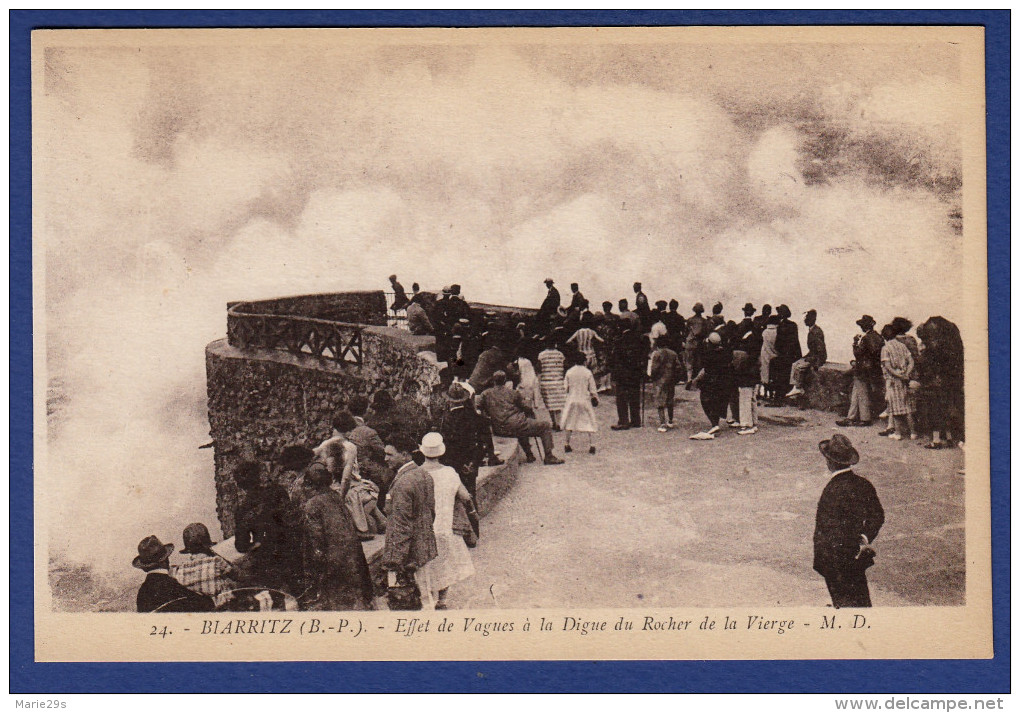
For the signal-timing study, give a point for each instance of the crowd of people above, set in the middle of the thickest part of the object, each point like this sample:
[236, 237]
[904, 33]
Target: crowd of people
[395, 469]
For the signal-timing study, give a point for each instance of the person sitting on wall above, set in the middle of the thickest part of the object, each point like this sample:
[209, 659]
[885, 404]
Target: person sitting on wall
[340, 456]
[160, 591]
[510, 416]
[399, 296]
[371, 450]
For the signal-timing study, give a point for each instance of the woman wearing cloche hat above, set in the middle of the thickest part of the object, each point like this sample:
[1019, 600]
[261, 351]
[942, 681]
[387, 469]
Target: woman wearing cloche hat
[453, 563]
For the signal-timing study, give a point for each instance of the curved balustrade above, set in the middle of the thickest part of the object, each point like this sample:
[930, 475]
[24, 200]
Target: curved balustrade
[325, 326]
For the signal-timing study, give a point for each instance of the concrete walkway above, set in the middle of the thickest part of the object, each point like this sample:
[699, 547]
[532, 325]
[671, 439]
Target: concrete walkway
[659, 520]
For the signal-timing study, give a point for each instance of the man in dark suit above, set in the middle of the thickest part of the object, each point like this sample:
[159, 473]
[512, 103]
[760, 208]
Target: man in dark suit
[577, 300]
[160, 590]
[847, 522]
[467, 435]
[641, 308]
[410, 539]
[627, 360]
[550, 305]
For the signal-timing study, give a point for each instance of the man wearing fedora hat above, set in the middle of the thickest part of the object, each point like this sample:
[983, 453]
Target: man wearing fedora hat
[847, 521]
[867, 373]
[160, 591]
[468, 436]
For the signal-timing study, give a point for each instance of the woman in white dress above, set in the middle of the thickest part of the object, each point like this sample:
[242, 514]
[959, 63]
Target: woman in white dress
[550, 361]
[579, 408]
[453, 563]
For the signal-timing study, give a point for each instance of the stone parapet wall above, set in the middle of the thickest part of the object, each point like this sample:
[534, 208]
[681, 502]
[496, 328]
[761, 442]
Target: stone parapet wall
[828, 389]
[366, 307]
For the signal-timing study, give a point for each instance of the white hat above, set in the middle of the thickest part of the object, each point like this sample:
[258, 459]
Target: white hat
[432, 445]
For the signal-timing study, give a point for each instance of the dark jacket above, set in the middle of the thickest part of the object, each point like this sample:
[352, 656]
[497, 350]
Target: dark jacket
[787, 341]
[847, 509]
[627, 359]
[746, 372]
[642, 310]
[266, 516]
[550, 304]
[506, 410]
[489, 362]
[717, 362]
[868, 355]
[697, 328]
[464, 433]
[410, 539]
[371, 453]
[334, 557]
[816, 353]
[161, 590]
[676, 329]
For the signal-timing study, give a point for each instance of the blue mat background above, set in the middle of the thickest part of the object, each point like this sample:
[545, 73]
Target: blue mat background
[938, 676]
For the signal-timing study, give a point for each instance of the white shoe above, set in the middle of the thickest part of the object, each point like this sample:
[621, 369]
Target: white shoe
[895, 436]
[662, 428]
[884, 414]
[713, 430]
[670, 425]
[794, 392]
[703, 436]
[748, 431]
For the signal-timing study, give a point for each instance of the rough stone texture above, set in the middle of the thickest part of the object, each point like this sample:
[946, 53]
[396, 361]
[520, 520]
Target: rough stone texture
[261, 400]
[829, 389]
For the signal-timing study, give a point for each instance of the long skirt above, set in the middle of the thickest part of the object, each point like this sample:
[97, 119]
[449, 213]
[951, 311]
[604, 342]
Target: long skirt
[453, 563]
[896, 397]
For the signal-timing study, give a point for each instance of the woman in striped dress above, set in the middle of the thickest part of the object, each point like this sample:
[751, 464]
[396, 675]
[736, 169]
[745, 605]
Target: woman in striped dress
[897, 365]
[584, 339]
[550, 362]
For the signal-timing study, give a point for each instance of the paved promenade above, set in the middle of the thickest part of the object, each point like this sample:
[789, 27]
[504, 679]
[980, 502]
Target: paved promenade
[659, 520]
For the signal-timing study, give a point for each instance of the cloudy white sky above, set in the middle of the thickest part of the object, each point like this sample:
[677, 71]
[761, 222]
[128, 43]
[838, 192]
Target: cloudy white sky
[170, 179]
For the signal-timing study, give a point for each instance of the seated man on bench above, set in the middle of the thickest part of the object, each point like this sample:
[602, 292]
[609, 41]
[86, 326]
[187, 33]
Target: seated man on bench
[511, 416]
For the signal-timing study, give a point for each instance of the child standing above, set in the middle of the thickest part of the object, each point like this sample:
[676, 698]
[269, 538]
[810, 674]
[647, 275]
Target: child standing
[664, 370]
[579, 407]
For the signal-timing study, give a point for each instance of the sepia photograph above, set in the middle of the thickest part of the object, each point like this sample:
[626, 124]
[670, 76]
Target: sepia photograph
[580, 342]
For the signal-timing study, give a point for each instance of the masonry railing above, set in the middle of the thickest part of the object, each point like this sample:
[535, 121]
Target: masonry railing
[336, 341]
[325, 326]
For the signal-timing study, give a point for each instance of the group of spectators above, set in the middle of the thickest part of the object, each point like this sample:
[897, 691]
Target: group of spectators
[396, 469]
[917, 386]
